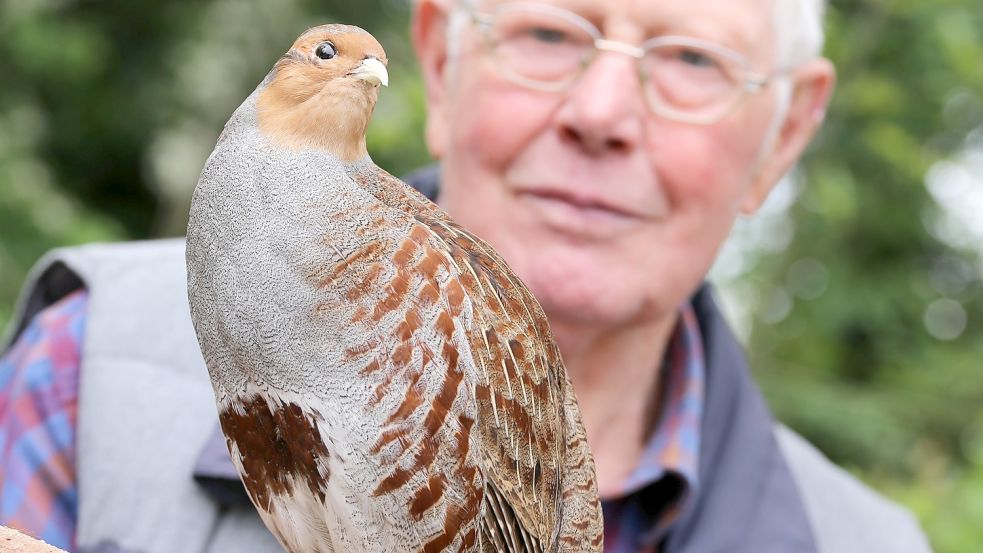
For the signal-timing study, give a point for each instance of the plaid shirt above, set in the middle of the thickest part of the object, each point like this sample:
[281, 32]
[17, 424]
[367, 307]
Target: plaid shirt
[38, 413]
[666, 475]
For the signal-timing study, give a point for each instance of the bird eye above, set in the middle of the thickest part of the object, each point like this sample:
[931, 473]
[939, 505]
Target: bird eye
[325, 51]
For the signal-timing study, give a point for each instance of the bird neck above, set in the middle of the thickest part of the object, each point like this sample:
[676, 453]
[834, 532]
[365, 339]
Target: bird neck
[334, 118]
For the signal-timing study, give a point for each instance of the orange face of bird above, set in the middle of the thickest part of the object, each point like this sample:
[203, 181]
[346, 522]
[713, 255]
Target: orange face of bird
[323, 90]
[337, 54]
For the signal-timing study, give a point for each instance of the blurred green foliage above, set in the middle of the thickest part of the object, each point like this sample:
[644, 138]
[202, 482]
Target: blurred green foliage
[879, 363]
[860, 295]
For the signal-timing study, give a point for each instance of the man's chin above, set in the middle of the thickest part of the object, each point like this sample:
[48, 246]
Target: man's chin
[588, 306]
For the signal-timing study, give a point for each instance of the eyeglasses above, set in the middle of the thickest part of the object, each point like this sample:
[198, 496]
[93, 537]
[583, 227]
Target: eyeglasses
[685, 79]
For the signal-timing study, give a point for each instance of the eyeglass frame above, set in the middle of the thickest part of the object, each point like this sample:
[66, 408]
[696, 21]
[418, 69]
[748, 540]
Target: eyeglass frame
[752, 83]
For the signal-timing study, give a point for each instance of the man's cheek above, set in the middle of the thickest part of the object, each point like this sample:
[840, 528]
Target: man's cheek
[499, 123]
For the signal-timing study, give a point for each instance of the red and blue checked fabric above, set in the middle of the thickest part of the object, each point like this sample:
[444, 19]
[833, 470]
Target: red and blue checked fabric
[635, 517]
[38, 413]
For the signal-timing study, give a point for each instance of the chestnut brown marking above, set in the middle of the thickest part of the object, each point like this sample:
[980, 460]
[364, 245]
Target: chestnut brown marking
[370, 368]
[427, 496]
[400, 284]
[463, 434]
[426, 355]
[420, 234]
[439, 543]
[383, 388]
[451, 355]
[425, 455]
[517, 413]
[441, 404]
[388, 436]
[410, 324]
[518, 351]
[495, 346]
[403, 331]
[468, 541]
[429, 294]
[363, 287]
[361, 313]
[445, 325]
[390, 303]
[401, 355]
[365, 254]
[459, 515]
[431, 263]
[394, 481]
[468, 281]
[513, 373]
[541, 389]
[465, 423]
[359, 350]
[455, 296]
[482, 393]
[397, 292]
[411, 401]
[405, 253]
[512, 307]
[277, 446]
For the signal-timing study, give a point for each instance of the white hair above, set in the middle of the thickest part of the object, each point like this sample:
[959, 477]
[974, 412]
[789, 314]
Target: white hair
[798, 26]
[799, 37]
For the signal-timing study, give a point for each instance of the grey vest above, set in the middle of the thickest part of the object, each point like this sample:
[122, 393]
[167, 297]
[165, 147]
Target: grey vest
[147, 443]
[146, 407]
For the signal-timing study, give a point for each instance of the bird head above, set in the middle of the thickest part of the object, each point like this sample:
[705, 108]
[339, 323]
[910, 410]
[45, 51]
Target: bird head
[321, 93]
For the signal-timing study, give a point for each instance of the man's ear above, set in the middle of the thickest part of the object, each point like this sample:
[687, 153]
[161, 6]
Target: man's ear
[812, 87]
[429, 35]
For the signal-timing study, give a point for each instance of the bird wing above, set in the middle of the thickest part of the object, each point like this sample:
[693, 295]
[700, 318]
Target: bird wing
[527, 418]
[401, 287]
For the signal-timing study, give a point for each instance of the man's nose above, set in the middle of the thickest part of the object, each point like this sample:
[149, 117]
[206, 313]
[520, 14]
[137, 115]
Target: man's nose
[603, 112]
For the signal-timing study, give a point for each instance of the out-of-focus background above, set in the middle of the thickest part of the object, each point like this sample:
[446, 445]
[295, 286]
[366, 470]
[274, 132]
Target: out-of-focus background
[857, 289]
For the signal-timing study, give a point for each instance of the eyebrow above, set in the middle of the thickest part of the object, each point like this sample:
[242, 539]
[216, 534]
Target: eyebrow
[698, 27]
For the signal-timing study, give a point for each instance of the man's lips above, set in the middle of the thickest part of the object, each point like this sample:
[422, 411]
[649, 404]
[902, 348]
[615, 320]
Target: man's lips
[588, 203]
[579, 216]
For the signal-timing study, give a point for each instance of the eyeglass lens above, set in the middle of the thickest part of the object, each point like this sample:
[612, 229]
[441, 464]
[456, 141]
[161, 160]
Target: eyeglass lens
[546, 49]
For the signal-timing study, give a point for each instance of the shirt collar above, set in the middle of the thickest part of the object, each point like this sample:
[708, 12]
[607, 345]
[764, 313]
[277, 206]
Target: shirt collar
[674, 445]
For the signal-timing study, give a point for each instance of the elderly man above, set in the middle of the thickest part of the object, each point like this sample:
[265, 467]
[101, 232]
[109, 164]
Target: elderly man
[605, 149]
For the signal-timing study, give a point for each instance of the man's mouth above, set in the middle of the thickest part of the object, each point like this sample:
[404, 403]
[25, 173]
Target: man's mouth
[578, 215]
[583, 202]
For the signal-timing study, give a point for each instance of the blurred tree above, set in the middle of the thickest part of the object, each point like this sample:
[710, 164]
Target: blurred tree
[868, 329]
[859, 286]
[109, 109]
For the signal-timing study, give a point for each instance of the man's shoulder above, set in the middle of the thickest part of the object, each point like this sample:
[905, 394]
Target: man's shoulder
[135, 288]
[63, 270]
[128, 253]
[846, 515]
[163, 257]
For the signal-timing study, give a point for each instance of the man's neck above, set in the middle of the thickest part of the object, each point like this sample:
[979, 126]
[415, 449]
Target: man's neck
[616, 376]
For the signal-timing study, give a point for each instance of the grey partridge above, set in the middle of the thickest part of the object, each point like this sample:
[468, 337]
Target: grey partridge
[384, 381]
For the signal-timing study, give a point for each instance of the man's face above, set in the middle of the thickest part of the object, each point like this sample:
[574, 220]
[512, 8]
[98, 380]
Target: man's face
[612, 215]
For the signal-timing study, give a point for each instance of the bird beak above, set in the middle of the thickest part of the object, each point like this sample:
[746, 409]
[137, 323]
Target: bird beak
[372, 71]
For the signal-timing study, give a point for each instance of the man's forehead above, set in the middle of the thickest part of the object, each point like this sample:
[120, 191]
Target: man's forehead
[745, 25]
